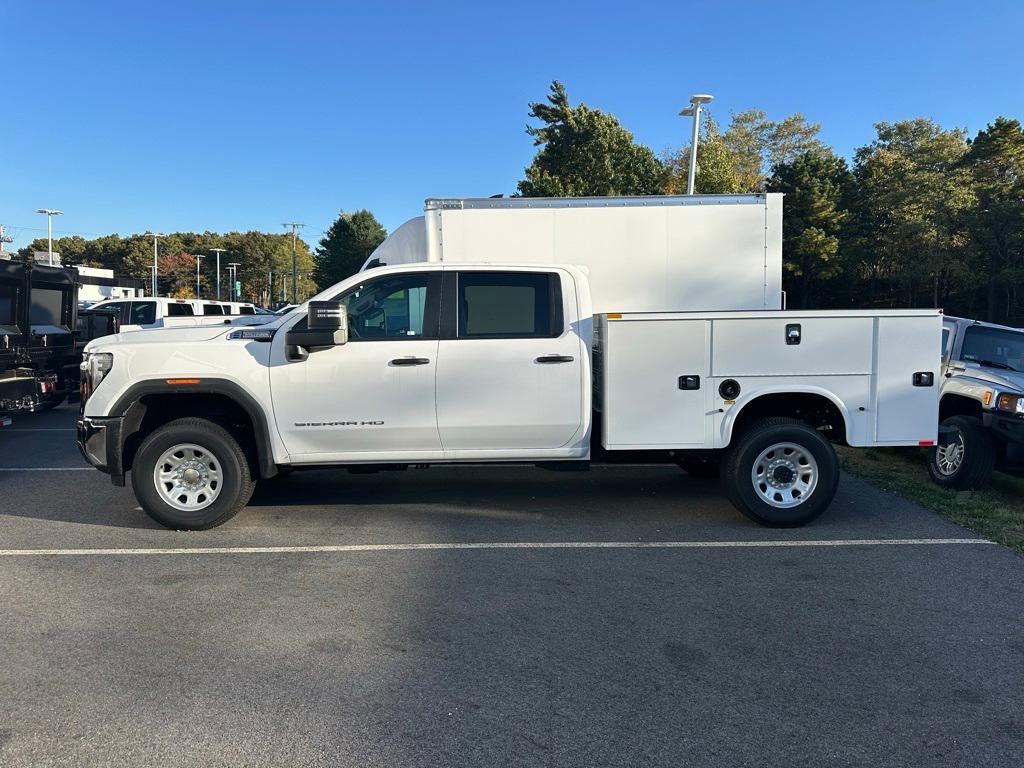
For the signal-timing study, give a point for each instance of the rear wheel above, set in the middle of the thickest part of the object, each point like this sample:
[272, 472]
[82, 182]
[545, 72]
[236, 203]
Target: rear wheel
[191, 474]
[967, 460]
[781, 473]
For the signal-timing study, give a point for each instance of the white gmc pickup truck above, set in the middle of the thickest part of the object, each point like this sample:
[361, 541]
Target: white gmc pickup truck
[446, 363]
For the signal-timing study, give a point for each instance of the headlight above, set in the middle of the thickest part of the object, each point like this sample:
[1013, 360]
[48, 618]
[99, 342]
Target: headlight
[1011, 404]
[94, 367]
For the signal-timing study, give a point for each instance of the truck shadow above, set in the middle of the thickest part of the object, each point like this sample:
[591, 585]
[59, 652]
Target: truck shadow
[657, 496]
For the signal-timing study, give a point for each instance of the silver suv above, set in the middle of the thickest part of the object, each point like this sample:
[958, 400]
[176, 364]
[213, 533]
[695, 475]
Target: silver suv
[982, 405]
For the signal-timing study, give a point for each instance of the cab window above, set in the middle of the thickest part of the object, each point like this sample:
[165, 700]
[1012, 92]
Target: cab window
[213, 309]
[179, 310]
[246, 311]
[143, 313]
[508, 305]
[395, 307]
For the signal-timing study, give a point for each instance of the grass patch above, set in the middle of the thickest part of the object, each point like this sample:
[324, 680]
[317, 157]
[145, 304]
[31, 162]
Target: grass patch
[996, 513]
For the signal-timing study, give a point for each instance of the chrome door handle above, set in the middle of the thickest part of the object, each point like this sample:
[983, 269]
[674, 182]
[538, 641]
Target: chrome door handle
[410, 361]
[554, 359]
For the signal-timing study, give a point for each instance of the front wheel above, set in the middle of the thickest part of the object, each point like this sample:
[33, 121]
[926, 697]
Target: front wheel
[781, 473]
[966, 461]
[191, 474]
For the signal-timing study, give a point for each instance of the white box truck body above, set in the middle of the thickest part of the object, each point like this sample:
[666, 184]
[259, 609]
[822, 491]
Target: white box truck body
[672, 253]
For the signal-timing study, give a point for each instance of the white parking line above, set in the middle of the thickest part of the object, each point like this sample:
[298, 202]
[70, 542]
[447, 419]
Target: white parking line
[47, 469]
[488, 545]
[35, 429]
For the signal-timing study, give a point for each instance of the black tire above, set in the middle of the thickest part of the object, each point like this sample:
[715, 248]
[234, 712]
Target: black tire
[977, 458]
[236, 483]
[51, 403]
[739, 462]
[700, 466]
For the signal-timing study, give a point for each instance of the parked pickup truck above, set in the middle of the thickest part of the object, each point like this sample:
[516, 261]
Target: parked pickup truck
[982, 403]
[433, 363]
[159, 312]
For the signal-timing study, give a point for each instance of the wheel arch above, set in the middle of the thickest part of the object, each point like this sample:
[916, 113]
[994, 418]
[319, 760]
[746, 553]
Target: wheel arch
[146, 405]
[957, 404]
[812, 405]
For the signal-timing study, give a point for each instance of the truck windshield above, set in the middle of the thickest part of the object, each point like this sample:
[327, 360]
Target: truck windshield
[994, 347]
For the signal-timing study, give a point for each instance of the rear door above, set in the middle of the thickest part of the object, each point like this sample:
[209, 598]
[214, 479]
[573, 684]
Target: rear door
[509, 373]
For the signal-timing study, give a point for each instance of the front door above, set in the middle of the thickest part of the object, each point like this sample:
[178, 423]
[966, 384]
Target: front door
[510, 364]
[371, 399]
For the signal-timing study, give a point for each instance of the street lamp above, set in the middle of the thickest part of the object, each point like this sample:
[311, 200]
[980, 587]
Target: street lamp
[198, 257]
[694, 111]
[233, 266]
[154, 235]
[50, 213]
[218, 251]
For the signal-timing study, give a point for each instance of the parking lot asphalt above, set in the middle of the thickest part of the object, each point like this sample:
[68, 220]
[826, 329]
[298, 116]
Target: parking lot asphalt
[714, 653]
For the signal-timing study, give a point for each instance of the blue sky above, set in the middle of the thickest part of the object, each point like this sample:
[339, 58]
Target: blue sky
[241, 115]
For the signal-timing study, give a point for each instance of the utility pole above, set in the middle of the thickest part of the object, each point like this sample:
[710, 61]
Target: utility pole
[198, 257]
[694, 110]
[294, 226]
[218, 251]
[50, 213]
[154, 235]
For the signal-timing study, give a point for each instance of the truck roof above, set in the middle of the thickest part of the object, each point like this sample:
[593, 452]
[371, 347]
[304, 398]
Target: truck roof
[652, 201]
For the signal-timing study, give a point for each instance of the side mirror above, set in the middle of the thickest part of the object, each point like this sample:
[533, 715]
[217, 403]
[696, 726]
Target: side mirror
[326, 326]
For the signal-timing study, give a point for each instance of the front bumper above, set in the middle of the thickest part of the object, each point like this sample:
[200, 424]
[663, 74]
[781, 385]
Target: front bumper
[1009, 428]
[99, 440]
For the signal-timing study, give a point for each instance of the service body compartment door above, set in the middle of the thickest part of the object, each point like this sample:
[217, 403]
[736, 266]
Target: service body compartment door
[655, 383]
[907, 347]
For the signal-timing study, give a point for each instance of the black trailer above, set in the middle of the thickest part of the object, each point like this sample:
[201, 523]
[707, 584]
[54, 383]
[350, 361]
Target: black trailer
[38, 317]
[17, 382]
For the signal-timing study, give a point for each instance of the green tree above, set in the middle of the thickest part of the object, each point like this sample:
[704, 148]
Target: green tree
[585, 152]
[716, 166]
[346, 245]
[913, 193]
[817, 187]
[759, 144]
[995, 163]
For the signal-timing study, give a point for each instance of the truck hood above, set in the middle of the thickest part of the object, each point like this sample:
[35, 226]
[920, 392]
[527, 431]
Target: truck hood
[159, 336]
[1002, 380]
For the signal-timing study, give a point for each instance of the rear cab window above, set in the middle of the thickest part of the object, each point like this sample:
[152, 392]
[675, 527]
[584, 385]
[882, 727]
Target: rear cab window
[213, 309]
[508, 305]
[179, 309]
[143, 313]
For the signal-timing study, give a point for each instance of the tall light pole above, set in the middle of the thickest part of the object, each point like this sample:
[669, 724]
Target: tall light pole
[50, 213]
[294, 226]
[694, 110]
[154, 235]
[233, 266]
[218, 251]
[198, 258]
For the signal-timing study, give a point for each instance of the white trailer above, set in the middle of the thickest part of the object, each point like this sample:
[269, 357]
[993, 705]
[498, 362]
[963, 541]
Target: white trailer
[685, 253]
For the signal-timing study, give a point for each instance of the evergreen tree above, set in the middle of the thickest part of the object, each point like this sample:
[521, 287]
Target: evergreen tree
[817, 185]
[585, 152]
[346, 246]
